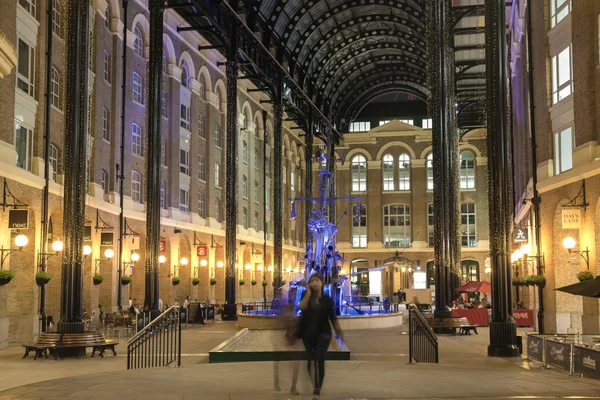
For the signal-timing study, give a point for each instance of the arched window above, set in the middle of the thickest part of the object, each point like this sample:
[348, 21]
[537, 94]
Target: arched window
[388, 172]
[430, 224]
[202, 82]
[467, 170]
[54, 161]
[136, 187]
[468, 229]
[430, 171]
[359, 226]
[138, 42]
[404, 172]
[219, 100]
[163, 188]
[185, 80]
[396, 225]
[56, 17]
[107, 17]
[245, 218]
[359, 174]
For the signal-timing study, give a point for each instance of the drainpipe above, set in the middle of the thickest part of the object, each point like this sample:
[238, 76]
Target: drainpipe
[265, 138]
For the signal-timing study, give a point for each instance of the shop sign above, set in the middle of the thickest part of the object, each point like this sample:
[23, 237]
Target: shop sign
[571, 218]
[18, 219]
[87, 233]
[163, 245]
[520, 235]
[587, 362]
[201, 251]
[107, 239]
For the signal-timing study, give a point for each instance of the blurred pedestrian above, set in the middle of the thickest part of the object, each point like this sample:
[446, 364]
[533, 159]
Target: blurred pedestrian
[291, 323]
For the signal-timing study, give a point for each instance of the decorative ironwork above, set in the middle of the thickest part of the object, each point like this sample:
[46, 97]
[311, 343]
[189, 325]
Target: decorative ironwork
[8, 196]
[213, 243]
[197, 241]
[580, 200]
[100, 221]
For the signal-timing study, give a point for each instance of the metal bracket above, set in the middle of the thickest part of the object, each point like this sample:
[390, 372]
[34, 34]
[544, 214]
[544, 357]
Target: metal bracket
[6, 193]
[214, 244]
[104, 226]
[255, 250]
[580, 195]
[128, 231]
[197, 241]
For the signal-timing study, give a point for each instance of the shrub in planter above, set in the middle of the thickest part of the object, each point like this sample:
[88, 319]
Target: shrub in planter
[282, 284]
[242, 282]
[584, 276]
[253, 282]
[125, 280]
[265, 283]
[518, 282]
[97, 279]
[6, 276]
[41, 277]
[213, 281]
[195, 281]
[175, 280]
[535, 280]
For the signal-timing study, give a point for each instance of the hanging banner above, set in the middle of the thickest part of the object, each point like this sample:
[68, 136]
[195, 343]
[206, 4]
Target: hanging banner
[163, 245]
[18, 219]
[201, 251]
[134, 243]
[520, 235]
[107, 239]
[571, 218]
[87, 233]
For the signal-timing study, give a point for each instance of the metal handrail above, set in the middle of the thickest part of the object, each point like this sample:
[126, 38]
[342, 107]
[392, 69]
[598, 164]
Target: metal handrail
[158, 344]
[423, 342]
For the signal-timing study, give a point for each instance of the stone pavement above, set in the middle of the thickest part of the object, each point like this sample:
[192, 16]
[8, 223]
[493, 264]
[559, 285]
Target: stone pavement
[378, 370]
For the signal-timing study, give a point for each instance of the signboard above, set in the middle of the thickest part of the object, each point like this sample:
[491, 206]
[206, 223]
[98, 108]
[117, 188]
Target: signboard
[558, 354]
[535, 348]
[587, 362]
[520, 235]
[523, 317]
[107, 239]
[571, 218]
[87, 233]
[420, 280]
[18, 219]
[201, 251]
[163, 245]
[135, 243]
[183, 312]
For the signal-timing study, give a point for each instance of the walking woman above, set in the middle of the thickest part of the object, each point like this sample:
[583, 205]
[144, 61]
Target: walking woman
[315, 329]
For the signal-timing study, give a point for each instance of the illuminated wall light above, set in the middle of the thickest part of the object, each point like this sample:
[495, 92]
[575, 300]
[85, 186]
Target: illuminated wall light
[184, 261]
[135, 257]
[203, 263]
[220, 264]
[162, 259]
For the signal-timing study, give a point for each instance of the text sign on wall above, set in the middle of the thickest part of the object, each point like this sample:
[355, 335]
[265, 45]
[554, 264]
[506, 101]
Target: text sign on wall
[571, 218]
[18, 219]
[520, 235]
[87, 233]
[107, 239]
[201, 251]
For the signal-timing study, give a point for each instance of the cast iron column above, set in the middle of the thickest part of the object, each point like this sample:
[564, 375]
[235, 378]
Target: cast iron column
[277, 187]
[153, 167]
[503, 331]
[231, 71]
[265, 226]
[76, 119]
[308, 157]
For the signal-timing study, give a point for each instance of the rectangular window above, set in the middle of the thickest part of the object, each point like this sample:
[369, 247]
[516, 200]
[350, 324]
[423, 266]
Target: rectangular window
[184, 200]
[427, 123]
[256, 227]
[54, 163]
[562, 78]
[467, 217]
[163, 190]
[201, 169]
[201, 205]
[256, 192]
[26, 67]
[56, 17]
[564, 143]
[163, 152]
[24, 146]
[359, 226]
[185, 117]
[137, 88]
[245, 152]
[106, 67]
[184, 161]
[244, 187]
[268, 165]
[559, 9]
[384, 122]
[360, 126]
[217, 136]
[201, 131]
[387, 171]
[430, 224]
[292, 181]
[268, 199]
[256, 166]
[55, 89]
[105, 125]
[245, 218]
[408, 121]
[29, 6]
[104, 181]
[218, 210]
[163, 101]
[136, 139]
[217, 175]
[136, 187]
[396, 225]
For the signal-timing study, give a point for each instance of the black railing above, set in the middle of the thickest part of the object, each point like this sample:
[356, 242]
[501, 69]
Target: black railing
[343, 310]
[158, 344]
[423, 343]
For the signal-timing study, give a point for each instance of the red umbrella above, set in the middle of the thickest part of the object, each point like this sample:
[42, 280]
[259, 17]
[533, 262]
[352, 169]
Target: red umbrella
[475, 287]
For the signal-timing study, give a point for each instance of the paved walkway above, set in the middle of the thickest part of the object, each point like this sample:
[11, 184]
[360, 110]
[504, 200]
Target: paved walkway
[378, 371]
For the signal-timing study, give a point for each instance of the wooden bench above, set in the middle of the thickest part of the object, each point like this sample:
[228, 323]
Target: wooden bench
[461, 324]
[54, 342]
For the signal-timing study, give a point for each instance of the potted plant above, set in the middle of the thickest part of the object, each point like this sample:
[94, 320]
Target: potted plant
[41, 278]
[98, 278]
[585, 276]
[518, 282]
[6, 276]
[242, 282]
[265, 283]
[253, 282]
[535, 280]
[213, 281]
[195, 281]
[125, 280]
[176, 280]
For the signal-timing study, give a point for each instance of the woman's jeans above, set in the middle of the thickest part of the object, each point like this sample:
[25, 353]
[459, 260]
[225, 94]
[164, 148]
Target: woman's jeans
[316, 348]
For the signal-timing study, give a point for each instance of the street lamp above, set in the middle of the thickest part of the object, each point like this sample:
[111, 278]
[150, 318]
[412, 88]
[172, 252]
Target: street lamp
[57, 247]
[162, 259]
[21, 241]
[270, 269]
[220, 264]
[135, 257]
[109, 254]
[203, 263]
[248, 266]
[259, 267]
[569, 244]
[87, 250]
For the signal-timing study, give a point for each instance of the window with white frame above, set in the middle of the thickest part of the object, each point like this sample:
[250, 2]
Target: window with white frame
[268, 165]
[57, 17]
[218, 210]
[29, 6]
[387, 170]
[219, 100]
[163, 189]
[467, 170]
[202, 83]
[201, 205]
[185, 80]
[163, 103]
[404, 172]
[362, 126]
[184, 200]
[217, 175]
[54, 161]
[184, 120]
[256, 227]
[564, 143]
[245, 218]
[396, 225]
[292, 181]
[163, 152]
[184, 161]
[408, 121]
[384, 122]
[256, 192]
[467, 220]
[201, 131]
[359, 174]
[284, 174]
[137, 88]
[136, 187]
[559, 9]
[256, 158]
[163, 91]
[244, 187]
[138, 41]
[104, 181]
[201, 168]
[268, 198]
[24, 146]
[245, 152]
[427, 123]
[107, 17]
[217, 136]
[562, 77]
[105, 125]
[106, 66]
[430, 224]
[55, 88]
[430, 171]
[26, 67]
[136, 139]
[359, 226]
